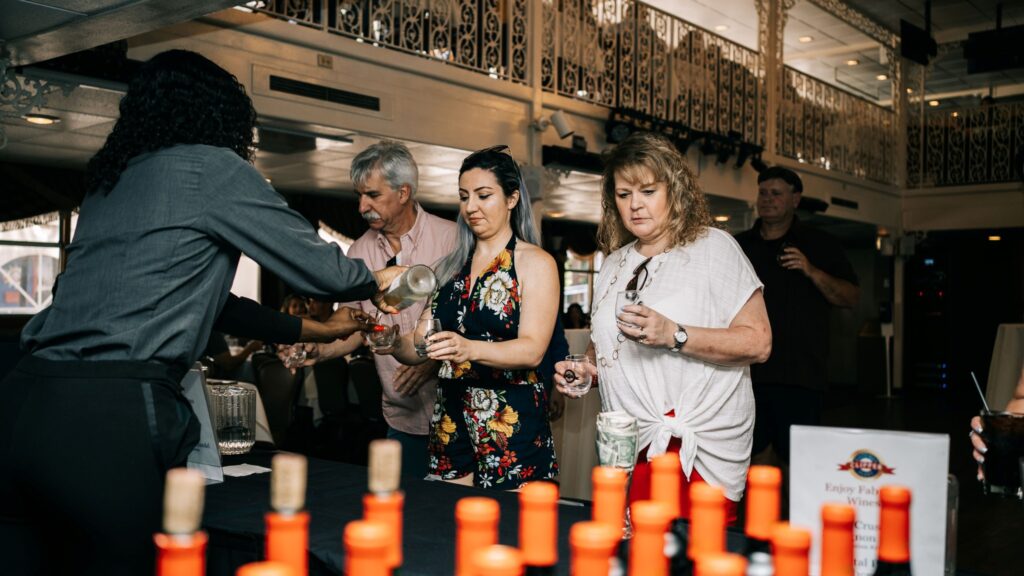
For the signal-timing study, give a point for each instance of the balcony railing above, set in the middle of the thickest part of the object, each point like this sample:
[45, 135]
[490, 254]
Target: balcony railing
[626, 54]
[825, 126]
[981, 145]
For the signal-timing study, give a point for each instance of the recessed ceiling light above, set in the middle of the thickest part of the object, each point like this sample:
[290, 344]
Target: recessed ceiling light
[806, 39]
[933, 103]
[41, 119]
[955, 114]
[882, 77]
[556, 214]
[721, 218]
[994, 238]
[852, 62]
[721, 28]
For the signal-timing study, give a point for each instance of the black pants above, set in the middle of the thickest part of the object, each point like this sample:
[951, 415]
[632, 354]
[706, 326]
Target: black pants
[778, 408]
[84, 447]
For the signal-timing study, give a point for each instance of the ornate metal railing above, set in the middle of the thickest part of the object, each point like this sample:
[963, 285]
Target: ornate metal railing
[980, 145]
[625, 54]
[823, 125]
[487, 36]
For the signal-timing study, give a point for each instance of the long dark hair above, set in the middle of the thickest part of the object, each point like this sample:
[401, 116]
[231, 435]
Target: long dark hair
[177, 97]
[498, 161]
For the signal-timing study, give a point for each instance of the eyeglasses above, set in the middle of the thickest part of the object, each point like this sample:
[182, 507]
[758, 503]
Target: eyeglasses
[635, 283]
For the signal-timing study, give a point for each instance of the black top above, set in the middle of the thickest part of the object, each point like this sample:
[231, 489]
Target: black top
[797, 310]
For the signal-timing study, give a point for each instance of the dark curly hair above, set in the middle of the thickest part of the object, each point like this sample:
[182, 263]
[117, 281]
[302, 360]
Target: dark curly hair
[177, 97]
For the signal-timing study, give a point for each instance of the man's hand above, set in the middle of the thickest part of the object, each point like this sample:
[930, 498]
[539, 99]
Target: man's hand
[347, 321]
[384, 278]
[287, 354]
[793, 259]
[409, 379]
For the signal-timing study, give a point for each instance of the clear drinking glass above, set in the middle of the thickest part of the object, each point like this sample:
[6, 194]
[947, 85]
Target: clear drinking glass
[234, 413]
[381, 337]
[617, 438]
[577, 376]
[626, 298]
[425, 328]
[296, 356]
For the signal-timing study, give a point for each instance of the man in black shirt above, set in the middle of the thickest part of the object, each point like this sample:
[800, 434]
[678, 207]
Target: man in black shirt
[804, 272]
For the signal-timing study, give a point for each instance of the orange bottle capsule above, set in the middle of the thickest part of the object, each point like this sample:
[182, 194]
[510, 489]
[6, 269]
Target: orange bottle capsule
[647, 549]
[538, 527]
[666, 471]
[837, 539]
[763, 483]
[894, 532]
[476, 527]
[609, 495]
[181, 548]
[497, 560]
[387, 509]
[180, 555]
[366, 548]
[707, 516]
[723, 564]
[790, 549]
[266, 569]
[593, 545]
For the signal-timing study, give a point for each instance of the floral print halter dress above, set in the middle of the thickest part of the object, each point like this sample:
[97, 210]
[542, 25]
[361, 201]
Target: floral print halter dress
[488, 421]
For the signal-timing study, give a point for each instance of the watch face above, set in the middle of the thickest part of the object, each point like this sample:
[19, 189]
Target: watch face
[680, 336]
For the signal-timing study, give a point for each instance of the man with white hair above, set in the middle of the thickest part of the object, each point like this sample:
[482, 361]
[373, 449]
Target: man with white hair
[401, 232]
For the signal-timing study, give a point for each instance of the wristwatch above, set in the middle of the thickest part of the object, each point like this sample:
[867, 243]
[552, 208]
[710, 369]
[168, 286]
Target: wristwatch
[680, 338]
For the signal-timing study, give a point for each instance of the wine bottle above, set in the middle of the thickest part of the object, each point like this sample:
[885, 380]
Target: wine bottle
[593, 547]
[647, 548]
[497, 560]
[723, 564]
[763, 484]
[538, 528]
[609, 495]
[707, 520]
[416, 283]
[181, 548]
[384, 502]
[894, 532]
[476, 527]
[266, 569]
[666, 480]
[837, 539]
[366, 548]
[287, 524]
[791, 547]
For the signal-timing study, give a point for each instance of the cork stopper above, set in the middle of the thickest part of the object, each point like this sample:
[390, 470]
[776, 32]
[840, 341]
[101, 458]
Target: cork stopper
[288, 483]
[385, 466]
[183, 501]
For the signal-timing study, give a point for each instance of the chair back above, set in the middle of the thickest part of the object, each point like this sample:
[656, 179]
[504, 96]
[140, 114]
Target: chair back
[279, 389]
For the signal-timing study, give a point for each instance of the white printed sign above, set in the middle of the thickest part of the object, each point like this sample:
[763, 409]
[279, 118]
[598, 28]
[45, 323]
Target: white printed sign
[204, 457]
[849, 466]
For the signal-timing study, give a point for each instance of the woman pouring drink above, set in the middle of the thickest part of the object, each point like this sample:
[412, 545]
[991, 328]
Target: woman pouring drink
[676, 357]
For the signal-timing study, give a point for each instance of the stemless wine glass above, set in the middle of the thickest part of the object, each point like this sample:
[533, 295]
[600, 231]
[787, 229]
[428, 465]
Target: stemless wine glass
[577, 375]
[381, 337]
[296, 356]
[626, 298]
[425, 328]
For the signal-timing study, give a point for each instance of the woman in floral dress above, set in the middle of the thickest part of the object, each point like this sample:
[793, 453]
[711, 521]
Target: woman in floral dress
[497, 304]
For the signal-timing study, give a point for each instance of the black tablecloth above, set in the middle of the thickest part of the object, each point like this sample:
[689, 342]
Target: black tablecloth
[234, 519]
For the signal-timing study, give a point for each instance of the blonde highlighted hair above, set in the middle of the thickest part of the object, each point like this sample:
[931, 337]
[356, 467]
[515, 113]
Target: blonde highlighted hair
[643, 155]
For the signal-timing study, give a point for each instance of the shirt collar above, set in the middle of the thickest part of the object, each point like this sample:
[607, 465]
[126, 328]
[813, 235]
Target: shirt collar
[413, 235]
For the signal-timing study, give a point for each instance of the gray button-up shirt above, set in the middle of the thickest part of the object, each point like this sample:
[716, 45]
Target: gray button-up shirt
[152, 261]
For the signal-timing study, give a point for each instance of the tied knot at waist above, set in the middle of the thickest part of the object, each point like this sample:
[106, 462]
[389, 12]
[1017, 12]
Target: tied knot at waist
[664, 431]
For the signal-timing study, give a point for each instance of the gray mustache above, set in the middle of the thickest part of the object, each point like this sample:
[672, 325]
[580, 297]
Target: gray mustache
[370, 216]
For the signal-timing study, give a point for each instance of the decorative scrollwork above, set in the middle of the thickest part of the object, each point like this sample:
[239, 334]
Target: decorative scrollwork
[20, 95]
[840, 9]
